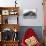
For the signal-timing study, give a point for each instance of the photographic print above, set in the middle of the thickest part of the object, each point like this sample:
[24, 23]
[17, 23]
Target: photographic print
[28, 14]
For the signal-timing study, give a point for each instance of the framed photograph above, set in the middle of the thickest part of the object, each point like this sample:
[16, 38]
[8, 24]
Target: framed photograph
[12, 19]
[13, 12]
[29, 13]
[5, 12]
[6, 34]
[5, 19]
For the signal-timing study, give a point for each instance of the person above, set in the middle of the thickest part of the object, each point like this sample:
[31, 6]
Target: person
[30, 38]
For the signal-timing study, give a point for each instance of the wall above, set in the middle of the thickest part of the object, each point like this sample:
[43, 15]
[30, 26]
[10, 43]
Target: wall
[7, 3]
[32, 4]
[27, 4]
